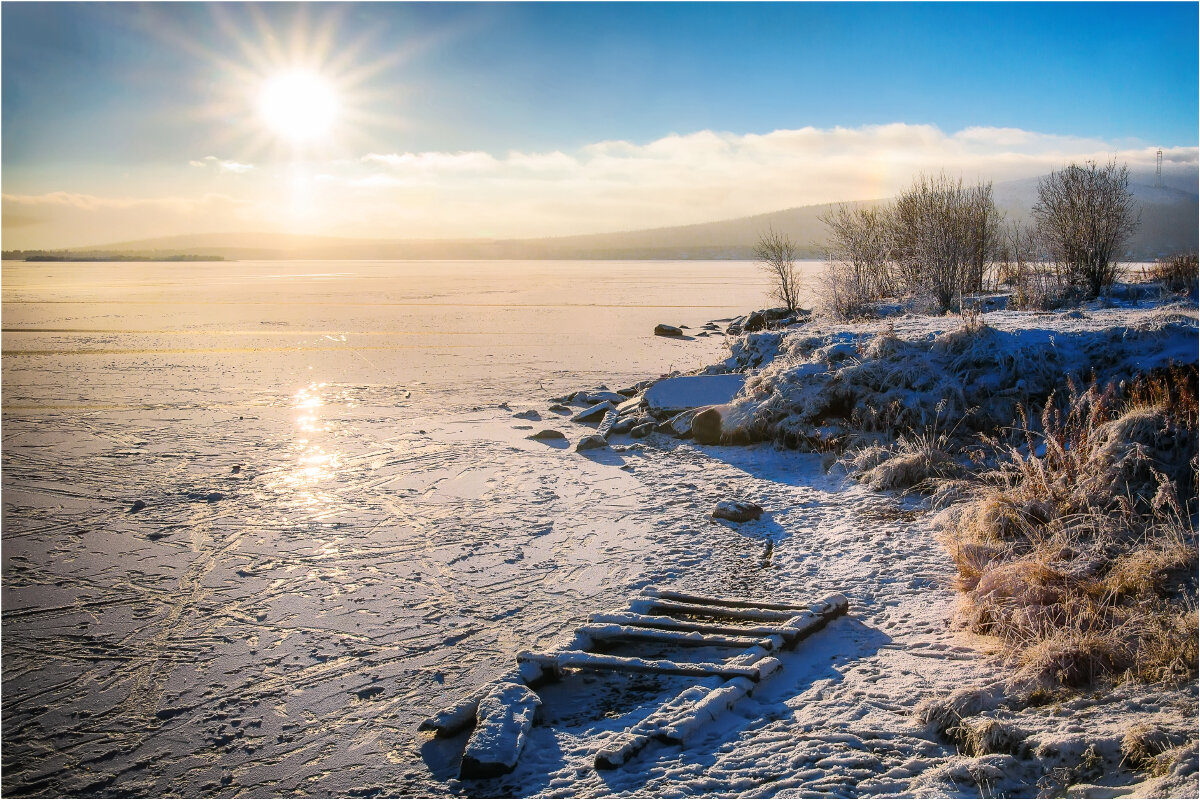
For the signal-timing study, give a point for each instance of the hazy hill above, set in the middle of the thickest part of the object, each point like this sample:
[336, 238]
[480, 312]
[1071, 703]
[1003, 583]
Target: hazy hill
[1169, 224]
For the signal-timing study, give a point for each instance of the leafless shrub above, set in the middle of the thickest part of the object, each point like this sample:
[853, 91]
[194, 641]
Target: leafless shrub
[776, 254]
[1085, 216]
[861, 243]
[943, 234]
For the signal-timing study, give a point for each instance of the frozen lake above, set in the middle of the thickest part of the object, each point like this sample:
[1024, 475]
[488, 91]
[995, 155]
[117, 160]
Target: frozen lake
[385, 537]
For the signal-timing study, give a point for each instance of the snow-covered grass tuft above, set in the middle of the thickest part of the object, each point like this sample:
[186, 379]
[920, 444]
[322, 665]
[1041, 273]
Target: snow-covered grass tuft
[1079, 548]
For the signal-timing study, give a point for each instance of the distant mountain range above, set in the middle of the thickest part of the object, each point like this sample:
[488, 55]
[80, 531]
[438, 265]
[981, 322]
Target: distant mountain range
[1169, 224]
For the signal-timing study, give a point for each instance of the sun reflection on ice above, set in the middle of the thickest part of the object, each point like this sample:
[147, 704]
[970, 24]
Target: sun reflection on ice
[314, 464]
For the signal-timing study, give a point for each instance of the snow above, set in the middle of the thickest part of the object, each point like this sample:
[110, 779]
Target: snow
[672, 395]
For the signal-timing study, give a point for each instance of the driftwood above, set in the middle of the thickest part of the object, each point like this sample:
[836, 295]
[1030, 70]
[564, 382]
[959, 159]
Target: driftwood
[733, 602]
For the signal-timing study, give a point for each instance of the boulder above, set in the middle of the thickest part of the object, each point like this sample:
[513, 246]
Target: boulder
[736, 511]
[530, 415]
[591, 442]
[606, 424]
[548, 433]
[672, 395]
[706, 425]
[667, 330]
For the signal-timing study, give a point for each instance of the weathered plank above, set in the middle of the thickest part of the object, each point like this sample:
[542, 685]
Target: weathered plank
[733, 602]
[609, 633]
[651, 605]
[577, 659]
[673, 624]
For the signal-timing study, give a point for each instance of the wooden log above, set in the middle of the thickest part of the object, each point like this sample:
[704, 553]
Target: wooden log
[576, 659]
[673, 624]
[609, 633]
[733, 602]
[651, 605]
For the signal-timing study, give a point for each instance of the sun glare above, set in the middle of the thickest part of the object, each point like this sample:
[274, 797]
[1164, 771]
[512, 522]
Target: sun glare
[298, 106]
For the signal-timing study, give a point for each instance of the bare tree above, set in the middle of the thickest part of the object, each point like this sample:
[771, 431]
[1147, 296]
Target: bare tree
[943, 235]
[776, 254]
[1085, 216]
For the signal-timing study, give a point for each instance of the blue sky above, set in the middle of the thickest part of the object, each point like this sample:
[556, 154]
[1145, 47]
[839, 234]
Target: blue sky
[118, 99]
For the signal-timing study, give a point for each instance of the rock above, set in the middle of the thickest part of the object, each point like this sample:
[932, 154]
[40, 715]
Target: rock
[138, 505]
[504, 718]
[548, 433]
[667, 330]
[606, 424]
[236, 469]
[622, 426]
[530, 415]
[672, 395]
[629, 405]
[591, 442]
[594, 412]
[736, 511]
[600, 397]
[642, 431]
[559, 408]
[679, 425]
[213, 497]
[706, 425]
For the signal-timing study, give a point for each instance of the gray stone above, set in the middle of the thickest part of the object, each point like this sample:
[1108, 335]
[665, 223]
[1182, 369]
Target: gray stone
[642, 431]
[667, 330]
[594, 412]
[548, 433]
[591, 442]
[530, 415]
[737, 511]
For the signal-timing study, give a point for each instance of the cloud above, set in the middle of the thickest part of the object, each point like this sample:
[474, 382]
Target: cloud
[222, 165]
[700, 176]
[602, 186]
[67, 219]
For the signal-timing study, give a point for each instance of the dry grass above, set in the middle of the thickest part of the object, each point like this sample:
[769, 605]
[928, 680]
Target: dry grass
[1079, 548]
[1179, 273]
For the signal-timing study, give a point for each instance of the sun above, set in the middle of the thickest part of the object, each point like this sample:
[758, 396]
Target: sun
[298, 105]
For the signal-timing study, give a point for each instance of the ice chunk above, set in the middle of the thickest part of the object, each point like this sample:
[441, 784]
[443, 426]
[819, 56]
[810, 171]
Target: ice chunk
[672, 395]
[503, 721]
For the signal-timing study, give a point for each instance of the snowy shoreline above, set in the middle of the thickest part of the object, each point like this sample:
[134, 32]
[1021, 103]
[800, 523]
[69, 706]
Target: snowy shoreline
[808, 735]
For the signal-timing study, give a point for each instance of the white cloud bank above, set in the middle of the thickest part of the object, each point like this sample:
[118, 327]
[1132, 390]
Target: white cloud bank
[620, 185]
